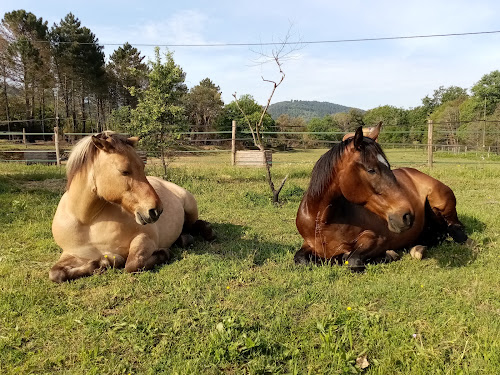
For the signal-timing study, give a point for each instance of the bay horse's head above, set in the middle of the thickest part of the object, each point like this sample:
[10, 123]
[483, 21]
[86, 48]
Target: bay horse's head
[365, 178]
[116, 173]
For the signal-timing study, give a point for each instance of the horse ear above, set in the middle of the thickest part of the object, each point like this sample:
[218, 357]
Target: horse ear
[358, 138]
[132, 141]
[102, 144]
[375, 131]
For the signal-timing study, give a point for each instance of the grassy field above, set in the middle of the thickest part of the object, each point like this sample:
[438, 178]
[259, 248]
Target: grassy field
[240, 305]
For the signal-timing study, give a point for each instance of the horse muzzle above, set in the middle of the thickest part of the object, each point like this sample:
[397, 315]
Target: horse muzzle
[151, 216]
[398, 223]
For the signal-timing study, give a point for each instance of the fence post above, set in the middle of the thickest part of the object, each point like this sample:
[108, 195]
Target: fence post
[24, 138]
[430, 130]
[56, 140]
[233, 143]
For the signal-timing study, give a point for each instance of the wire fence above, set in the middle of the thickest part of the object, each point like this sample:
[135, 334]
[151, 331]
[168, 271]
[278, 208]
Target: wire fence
[39, 147]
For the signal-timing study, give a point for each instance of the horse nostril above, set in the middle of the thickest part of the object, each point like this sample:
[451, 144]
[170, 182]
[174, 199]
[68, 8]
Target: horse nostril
[154, 214]
[408, 219]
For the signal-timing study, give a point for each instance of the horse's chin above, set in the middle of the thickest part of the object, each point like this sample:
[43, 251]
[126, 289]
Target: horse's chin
[397, 229]
[394, 229]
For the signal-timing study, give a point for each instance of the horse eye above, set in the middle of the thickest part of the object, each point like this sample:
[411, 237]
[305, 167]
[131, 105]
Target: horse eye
[125, 173]
[371, 171]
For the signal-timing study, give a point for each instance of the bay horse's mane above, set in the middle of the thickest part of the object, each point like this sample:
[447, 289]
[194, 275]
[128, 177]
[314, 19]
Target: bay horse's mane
[323, 172]
[85, 152]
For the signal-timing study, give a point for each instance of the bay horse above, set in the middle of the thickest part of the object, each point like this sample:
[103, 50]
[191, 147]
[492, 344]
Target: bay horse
[112, 215]
[358, 209]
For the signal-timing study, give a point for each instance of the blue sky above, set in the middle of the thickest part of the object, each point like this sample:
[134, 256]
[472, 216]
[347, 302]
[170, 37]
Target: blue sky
[361, 74]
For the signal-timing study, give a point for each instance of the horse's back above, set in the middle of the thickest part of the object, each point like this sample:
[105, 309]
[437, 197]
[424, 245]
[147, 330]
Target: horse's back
[426, 187]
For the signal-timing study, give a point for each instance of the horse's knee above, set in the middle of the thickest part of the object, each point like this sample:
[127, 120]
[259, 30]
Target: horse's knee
[141, 261]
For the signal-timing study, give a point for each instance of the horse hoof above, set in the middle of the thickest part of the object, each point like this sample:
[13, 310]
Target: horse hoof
[162, 256]
[204, 229]
[300, 258]
[417, 252]
[391, 256]
[457, 233]
[185, 240]
[354, 263]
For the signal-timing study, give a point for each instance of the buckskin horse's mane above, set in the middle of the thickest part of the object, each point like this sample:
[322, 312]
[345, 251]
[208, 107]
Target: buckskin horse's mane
[323, 172]
[85, 152]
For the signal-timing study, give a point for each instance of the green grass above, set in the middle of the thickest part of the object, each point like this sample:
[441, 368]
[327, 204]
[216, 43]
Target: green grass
[240, 305]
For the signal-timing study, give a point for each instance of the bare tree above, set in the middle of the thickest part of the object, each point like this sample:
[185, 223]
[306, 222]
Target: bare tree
[279, 53]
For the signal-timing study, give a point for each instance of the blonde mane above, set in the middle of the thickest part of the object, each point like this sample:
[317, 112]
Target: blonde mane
[84, 153]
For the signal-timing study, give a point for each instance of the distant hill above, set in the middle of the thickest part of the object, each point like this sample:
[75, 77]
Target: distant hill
[305, 109]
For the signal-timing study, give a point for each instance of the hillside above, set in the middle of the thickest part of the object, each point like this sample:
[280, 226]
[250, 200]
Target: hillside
[305, 109]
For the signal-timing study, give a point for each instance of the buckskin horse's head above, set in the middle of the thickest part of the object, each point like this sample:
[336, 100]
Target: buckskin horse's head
[116, 173]
[120, 178]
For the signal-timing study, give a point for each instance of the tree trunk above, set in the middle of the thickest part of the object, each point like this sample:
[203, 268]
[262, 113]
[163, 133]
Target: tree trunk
[73, 105]
[274, 191]
[26, 97]
[103, 115]
[84, 119]
[43, 112]
[162, 150]
[66, 96]
[7, 110]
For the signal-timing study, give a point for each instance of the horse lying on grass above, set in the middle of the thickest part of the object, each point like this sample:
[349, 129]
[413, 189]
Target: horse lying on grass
[357, 209]
[112, 215]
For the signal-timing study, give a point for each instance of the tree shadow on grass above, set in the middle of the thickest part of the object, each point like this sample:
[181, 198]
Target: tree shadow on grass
[451, 254]
[235, 241]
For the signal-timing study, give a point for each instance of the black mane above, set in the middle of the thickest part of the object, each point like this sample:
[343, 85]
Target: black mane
[323, 172]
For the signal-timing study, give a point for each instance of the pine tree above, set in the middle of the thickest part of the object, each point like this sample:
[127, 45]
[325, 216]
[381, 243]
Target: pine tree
[127, 69]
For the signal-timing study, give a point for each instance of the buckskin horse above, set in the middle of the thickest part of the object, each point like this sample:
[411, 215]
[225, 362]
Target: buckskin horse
[357, 209]
[112, 215]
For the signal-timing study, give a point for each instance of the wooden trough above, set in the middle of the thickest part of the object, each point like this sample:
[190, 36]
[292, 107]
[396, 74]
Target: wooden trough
[254, 158]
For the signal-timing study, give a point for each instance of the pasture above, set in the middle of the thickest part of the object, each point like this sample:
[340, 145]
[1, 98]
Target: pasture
[239, 305]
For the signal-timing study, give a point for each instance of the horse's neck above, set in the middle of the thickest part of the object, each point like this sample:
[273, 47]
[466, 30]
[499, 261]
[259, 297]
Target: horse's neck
[84, 202]
[325, 199]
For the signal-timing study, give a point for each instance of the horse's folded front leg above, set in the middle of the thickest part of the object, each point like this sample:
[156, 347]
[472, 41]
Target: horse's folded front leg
[70, 267]
[144, 254]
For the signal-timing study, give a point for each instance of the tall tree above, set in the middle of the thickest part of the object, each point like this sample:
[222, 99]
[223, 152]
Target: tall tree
[203, 105]
[127, 69]
[443, 95]
[252, 110]
[79, 64]
[327, 124]
[395, 120]
[288, 128]
[159, 113]
[487, 91]
[25, 53]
